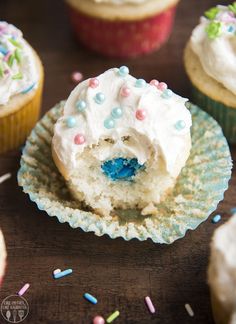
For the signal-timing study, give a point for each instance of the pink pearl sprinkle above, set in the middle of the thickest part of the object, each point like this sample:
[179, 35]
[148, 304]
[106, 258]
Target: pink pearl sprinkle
[162, 86]
[76, 77]
[98, 320]
[93, 83]
[154, 82]
[79, 139]
[56, 271]
[141, 114]
[125, 91]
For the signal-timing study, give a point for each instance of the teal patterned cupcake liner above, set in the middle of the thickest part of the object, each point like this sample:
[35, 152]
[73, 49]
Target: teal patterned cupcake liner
[199, 188]
[225, 115]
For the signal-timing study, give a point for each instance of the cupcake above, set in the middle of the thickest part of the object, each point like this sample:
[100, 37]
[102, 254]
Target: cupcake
[210, 62]
[222, 273]
[21, 80]
[121, 143]
[3, 256]
[122, 28]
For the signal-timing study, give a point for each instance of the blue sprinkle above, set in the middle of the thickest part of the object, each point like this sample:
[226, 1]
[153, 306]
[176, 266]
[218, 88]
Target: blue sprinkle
[216, 219]
[3, 50]
[166, 94]
[123, 71]
[180, 125]
[117, 112]
[140, 83]
[28, 89]
[70, 122]
[231, 29]
[90, 298]
[121, 169]
[99, 98]
[109, 123]
[233, 210]
[81, 105]
[63, 273]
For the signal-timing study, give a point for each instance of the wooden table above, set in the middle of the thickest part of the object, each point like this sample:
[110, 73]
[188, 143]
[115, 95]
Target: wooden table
[119, 273]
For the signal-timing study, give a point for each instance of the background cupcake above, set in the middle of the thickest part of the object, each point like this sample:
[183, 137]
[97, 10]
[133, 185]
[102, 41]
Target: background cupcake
[3, 255]
[21, 80]
[222, 273]
[122, 28]
[210, 62]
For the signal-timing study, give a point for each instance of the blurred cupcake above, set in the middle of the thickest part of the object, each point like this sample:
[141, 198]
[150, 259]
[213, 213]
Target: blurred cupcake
[122, 28]
[210, 62]
[222, 273]
[3, 256]
[21, 80]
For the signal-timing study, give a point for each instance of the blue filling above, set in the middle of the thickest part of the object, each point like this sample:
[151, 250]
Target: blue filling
[121, 169]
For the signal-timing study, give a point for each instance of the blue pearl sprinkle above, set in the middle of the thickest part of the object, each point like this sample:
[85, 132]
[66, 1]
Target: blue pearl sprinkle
[180, 125]
[123, 71]
[117, 112]
[81, 105]
[231, 29]
[70, 122]
[99, 98]
[140, 83]
[109, 123]
[216, 219]
[166, 94]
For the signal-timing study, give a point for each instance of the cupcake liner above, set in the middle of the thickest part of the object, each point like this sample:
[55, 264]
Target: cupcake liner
[198, 190]
[122, 38]
[225, 115]
[16, 126]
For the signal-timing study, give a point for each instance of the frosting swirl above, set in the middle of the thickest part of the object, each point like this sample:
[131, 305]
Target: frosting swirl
[140, 120]
[18, 72]
[214, 42]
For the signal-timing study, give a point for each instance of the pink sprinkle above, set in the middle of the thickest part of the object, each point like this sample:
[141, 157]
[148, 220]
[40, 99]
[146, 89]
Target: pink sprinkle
[98, 320]
[93, 83]
[23, 289]
[6, 57]
[79, 139]
[125, 91]
[162, 86]
[56, 271]
[76, 77]
[141, 114]
[155, 83]
[150, 305]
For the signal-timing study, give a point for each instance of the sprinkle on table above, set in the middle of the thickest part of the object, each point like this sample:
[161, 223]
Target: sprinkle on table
[113, 316]
[56, 271]
[98, 320]
[76, 76]
[216, 219]
[150, 305]
[23, 289]
[63, 273]
[189, 310]
[90, 298]
[5, 177]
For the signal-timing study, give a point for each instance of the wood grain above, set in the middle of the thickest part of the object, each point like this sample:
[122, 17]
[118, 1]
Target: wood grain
[120, 274]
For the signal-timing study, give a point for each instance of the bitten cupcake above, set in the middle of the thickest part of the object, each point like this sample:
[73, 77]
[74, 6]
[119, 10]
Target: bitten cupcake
[122, 28]
[222, 273]
[3, 256]
[210, 62]
[121, 143]
[21, 80]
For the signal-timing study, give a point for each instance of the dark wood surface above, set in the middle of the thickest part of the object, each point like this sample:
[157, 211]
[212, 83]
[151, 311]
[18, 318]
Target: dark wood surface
[119, 273]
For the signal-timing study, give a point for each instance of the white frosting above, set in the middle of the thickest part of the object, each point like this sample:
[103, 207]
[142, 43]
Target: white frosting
[12, 42]
[222, 270]
[156, 134]
[218, 55]
[120, 2]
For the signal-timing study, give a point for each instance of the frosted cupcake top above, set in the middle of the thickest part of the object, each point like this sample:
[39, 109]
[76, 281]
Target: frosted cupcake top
[18, 72]
[222, 269]
[121, 2]
[214, 42]
[135, 116]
